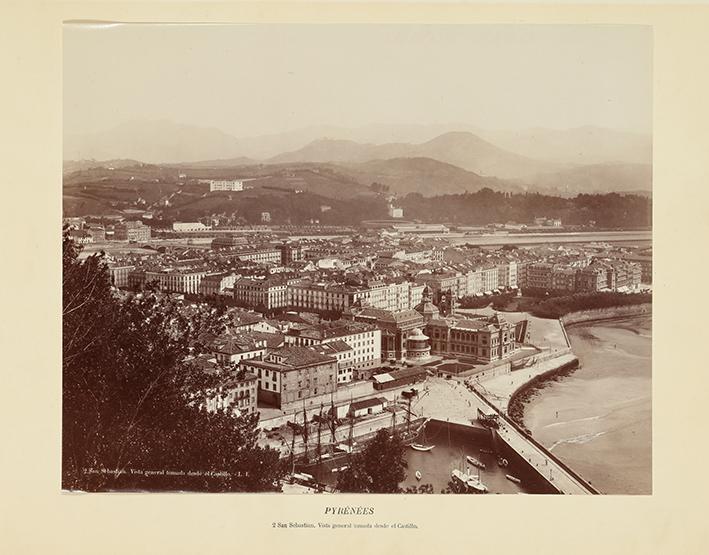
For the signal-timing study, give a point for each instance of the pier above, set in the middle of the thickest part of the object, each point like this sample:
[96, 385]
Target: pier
[560, 476]
[457, 402]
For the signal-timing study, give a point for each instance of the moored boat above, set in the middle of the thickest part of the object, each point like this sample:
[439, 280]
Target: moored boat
[422, 445]
[475, 462]
[501, 461]
[475, 483]
[418, 475]
[472, 484]
[458, 475]
[513, 479]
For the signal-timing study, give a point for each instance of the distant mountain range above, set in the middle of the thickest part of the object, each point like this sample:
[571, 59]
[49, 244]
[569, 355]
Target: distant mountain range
[428, 159]
[462, 149]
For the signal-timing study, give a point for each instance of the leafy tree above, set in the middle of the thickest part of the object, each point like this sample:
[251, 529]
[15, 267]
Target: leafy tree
[487, 206]
[378, 468]
[422, 488]
[556, 307]
[454, 486]
[133, 408]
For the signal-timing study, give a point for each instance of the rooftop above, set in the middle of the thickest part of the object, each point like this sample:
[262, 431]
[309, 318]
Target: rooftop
[383, 315]
[292, 357]
[366, 403]
[337, 346]
[326, 330]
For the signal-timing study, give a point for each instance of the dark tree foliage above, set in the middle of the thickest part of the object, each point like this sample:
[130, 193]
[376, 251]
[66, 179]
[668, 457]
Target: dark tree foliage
[486, 206]
[422, 488]
[498, 301]
[379, 187]
[454, 486]
[378, 468]
[473, 302]
[555, 307]
[296, 209]
[131, 405]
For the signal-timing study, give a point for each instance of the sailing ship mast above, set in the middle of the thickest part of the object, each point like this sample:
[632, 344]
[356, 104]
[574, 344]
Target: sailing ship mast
[292, 445]
[319, 448]
[305, 434]
[408, 416]
[332, 420]
[351, 434]
[408, 395]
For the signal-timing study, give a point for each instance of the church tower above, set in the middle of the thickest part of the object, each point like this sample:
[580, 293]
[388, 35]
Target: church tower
[426, 308]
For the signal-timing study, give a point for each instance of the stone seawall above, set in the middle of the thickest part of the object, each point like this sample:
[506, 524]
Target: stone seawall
[610, 313]
[515, 407]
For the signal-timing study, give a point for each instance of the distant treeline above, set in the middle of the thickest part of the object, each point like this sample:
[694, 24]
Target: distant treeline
[556, 307]
[486, 206]
[296, 209]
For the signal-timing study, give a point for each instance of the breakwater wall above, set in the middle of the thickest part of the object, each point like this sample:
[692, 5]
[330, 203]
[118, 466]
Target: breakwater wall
[610, 313]
[515, 406]
[528, 438]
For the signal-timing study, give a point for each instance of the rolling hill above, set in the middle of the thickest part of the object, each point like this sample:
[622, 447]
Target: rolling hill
[423, 175]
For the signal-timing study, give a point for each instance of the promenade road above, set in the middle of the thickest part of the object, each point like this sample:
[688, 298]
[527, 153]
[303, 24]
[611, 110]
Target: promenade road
[498, 391]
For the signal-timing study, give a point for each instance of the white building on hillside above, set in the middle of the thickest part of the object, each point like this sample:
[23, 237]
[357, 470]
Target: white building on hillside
[189, 226]
[226, 185]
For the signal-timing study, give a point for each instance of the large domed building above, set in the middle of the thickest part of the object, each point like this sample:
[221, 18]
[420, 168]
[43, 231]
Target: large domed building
[417, 346]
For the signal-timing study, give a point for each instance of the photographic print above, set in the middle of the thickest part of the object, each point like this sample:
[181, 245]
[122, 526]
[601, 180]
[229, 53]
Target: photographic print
[339, 258]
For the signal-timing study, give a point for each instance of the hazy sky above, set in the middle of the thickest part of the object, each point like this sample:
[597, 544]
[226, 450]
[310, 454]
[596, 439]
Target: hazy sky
[258, 79]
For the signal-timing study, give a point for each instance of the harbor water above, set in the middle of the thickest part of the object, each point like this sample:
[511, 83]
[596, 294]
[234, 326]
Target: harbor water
[452, 445]
[598, 420]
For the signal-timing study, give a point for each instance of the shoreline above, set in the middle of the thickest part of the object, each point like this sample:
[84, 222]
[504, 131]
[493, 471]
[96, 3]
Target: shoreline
[520, 398]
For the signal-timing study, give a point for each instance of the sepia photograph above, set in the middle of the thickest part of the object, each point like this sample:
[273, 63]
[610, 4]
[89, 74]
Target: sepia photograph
[357, 258]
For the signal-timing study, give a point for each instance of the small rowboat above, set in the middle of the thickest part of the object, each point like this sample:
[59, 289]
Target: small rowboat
[513, 479]
[475, 462]
[418, 475]
[487, 451]
[502, 462]
[419, 447]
